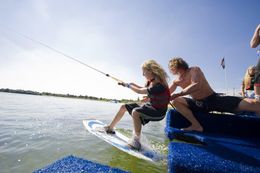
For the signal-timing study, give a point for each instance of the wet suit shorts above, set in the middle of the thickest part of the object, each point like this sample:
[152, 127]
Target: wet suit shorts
[215, 102]
[147, 112]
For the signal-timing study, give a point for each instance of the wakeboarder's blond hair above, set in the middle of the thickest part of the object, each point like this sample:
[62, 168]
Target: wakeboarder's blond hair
[157, 70]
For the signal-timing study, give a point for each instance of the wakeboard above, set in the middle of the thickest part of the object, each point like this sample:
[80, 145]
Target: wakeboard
[120, 141]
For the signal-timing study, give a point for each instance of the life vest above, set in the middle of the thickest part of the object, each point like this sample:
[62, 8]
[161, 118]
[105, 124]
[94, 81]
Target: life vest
[160, 100]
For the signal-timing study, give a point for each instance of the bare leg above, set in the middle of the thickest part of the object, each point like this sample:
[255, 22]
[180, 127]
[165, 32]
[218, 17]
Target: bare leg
[137, 123]
[257, 91]
[118, 116]
[249, 105]
[182, 106]
[135, 141]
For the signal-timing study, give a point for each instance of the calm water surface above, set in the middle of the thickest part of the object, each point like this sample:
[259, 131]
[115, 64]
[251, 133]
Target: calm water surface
[37, 130]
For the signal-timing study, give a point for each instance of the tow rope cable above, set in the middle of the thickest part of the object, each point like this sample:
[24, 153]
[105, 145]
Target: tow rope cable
[65, 55]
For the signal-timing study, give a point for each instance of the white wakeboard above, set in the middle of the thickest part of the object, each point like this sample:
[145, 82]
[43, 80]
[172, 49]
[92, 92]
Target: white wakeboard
[120, 141]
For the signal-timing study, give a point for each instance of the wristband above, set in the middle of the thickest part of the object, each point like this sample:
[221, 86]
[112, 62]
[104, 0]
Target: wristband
[128, 85]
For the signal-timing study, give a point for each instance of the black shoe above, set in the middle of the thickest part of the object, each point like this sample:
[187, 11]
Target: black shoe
[135, 143]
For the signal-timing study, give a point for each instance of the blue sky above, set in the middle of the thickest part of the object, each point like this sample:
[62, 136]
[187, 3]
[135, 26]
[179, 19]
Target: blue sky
[117, 36]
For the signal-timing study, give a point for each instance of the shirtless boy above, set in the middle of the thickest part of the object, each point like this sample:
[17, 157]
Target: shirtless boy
[203, 97]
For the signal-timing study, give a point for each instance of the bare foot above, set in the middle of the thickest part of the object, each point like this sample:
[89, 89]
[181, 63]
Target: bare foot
[193, 128]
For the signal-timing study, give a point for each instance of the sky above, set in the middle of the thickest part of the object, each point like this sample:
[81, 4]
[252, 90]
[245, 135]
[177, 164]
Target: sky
[116, 37]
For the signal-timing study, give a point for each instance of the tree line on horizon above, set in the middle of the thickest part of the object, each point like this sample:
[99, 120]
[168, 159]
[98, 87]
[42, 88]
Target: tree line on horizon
[20, 91]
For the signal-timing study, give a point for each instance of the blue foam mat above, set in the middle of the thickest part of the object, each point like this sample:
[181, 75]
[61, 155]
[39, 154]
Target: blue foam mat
[222, 124]
[214, 158]
[72, 164]
[235, 129]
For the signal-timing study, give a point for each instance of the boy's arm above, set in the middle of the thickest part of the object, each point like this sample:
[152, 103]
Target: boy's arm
[243, 89]
[255, 41]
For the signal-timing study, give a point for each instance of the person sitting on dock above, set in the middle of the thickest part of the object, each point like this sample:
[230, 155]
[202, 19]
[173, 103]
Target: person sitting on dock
[255, 41]
[247, 86]
[203, 97]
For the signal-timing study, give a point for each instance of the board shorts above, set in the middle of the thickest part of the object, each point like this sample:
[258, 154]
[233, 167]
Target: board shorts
[215, 102]
[250, 94]
[147, 112]
[257, 74]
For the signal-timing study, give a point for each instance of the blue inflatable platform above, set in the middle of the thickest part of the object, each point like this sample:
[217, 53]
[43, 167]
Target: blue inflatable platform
[72, 164]
[229, 143]
[237, 129]
[213, 158]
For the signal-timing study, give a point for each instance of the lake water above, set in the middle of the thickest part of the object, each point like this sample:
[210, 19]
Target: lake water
[38, 130]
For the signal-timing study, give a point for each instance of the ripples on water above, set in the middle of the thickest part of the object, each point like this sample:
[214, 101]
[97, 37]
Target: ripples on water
[37, 130]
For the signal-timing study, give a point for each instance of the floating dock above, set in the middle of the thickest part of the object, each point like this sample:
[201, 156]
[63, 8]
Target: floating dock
[229, 143]
[72, 164]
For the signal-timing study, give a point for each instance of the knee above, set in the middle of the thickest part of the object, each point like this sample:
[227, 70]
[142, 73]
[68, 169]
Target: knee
[135, 114]
[248, 101]
[123, 108]
[176, 102]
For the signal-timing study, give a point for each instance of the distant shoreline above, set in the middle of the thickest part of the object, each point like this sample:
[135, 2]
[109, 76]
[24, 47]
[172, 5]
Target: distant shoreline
[29, 92]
